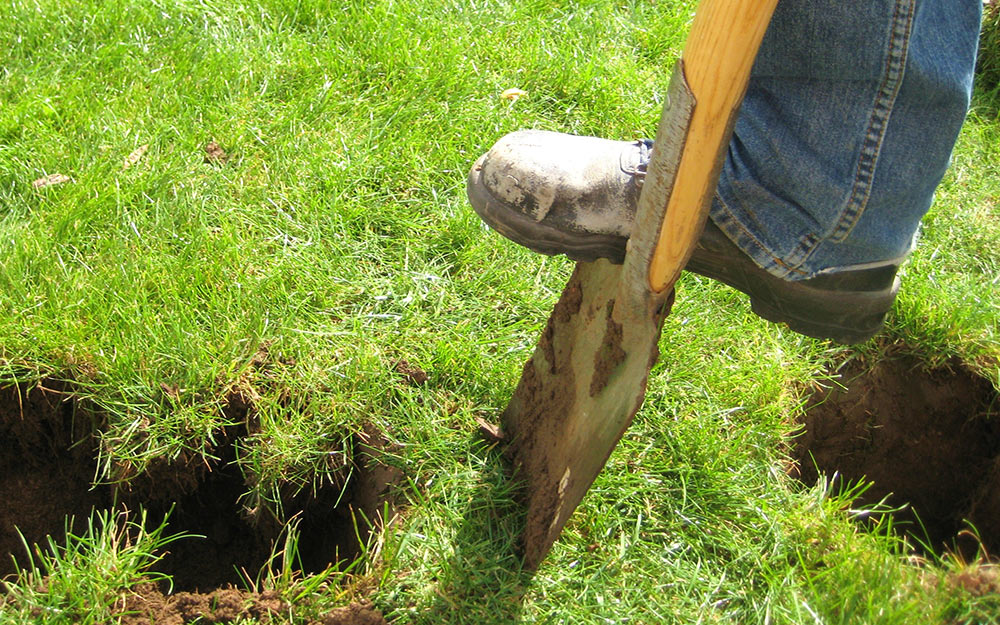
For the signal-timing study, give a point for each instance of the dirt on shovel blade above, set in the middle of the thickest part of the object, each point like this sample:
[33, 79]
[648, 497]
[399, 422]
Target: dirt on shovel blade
[577, 395]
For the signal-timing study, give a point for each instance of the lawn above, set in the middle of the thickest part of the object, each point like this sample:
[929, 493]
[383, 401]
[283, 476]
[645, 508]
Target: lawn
[248, 323]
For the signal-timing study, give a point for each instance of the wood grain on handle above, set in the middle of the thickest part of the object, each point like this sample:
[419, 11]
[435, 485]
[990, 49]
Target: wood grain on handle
[719, 53]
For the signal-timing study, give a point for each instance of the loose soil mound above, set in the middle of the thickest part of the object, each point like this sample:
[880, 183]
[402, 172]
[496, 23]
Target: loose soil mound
[929, 440]
[48, 450]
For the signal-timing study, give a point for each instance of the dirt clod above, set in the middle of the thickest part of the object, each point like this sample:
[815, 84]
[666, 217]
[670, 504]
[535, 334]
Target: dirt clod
[148, 605]
[413, 375]
[491, 432]
[354, 614]
[978, 580]
[214, 154]
[927, 440]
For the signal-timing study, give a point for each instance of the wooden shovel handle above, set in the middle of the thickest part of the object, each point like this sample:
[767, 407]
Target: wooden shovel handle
[719, 53]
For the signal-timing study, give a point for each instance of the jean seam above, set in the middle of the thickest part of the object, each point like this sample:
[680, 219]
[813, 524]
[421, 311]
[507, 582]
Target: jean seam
[878, 121]
[885, 99]
[775, 260]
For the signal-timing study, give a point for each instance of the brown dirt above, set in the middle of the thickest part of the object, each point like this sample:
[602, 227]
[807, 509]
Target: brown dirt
[47, 461]
[609, 356]
[214, 154]
[929, 440]
[147, 605]
[577, 393]
[978, 579]
[354, 614]
[569, 302]
[533, 415]
[48, 447]
[413, 375]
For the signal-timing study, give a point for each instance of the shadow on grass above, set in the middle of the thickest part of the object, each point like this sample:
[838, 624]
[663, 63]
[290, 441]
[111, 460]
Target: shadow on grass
[483, 581]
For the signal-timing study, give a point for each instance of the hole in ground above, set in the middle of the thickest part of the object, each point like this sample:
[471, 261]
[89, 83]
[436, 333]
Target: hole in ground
[926, 439]
[48, 463]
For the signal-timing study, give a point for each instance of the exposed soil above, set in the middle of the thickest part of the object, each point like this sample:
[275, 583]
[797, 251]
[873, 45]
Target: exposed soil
[147, 605]
[47, 463]
[978, 579]
[413, 375]
[48, 450]
[214, 153]
[927, 440]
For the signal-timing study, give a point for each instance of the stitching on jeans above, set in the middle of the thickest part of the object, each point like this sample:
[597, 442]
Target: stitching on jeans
[807, 245]
[878, 121]
[730, 219]
[892, 78]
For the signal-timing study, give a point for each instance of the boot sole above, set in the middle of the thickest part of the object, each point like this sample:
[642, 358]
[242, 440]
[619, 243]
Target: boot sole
[844, 316]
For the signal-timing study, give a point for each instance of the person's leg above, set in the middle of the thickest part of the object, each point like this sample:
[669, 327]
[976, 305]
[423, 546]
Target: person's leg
[845, 132]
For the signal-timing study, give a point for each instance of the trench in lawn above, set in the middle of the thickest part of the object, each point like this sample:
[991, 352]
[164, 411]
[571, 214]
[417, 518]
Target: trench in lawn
[927, 440]
[49, 464]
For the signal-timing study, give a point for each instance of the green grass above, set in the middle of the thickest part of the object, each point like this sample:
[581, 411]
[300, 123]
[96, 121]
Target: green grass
[82, 579]
[336, 239]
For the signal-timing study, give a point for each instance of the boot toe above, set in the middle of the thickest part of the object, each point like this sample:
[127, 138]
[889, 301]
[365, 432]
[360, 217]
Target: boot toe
[558, 193]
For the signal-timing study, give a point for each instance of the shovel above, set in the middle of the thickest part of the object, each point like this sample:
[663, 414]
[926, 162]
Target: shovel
[587, 376]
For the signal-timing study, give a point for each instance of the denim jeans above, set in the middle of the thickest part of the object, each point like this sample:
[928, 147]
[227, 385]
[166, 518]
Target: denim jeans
[847, 127]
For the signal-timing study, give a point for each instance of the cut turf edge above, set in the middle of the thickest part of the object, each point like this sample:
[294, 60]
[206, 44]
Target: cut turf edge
[50, 479]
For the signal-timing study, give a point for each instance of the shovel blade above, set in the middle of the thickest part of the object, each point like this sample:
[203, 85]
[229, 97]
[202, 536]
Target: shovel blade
[587, 376]
[578, 394]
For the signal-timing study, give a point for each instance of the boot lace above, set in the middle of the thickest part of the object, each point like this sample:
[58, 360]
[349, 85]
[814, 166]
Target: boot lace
[639, 169]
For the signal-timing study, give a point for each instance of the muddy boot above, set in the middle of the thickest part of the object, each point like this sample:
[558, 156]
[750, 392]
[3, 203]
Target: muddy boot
[564, 194]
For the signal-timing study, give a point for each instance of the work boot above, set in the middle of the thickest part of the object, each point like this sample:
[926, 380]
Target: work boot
[564, 194]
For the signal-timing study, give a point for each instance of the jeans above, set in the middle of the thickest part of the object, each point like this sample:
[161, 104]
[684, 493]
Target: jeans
[847, 127]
